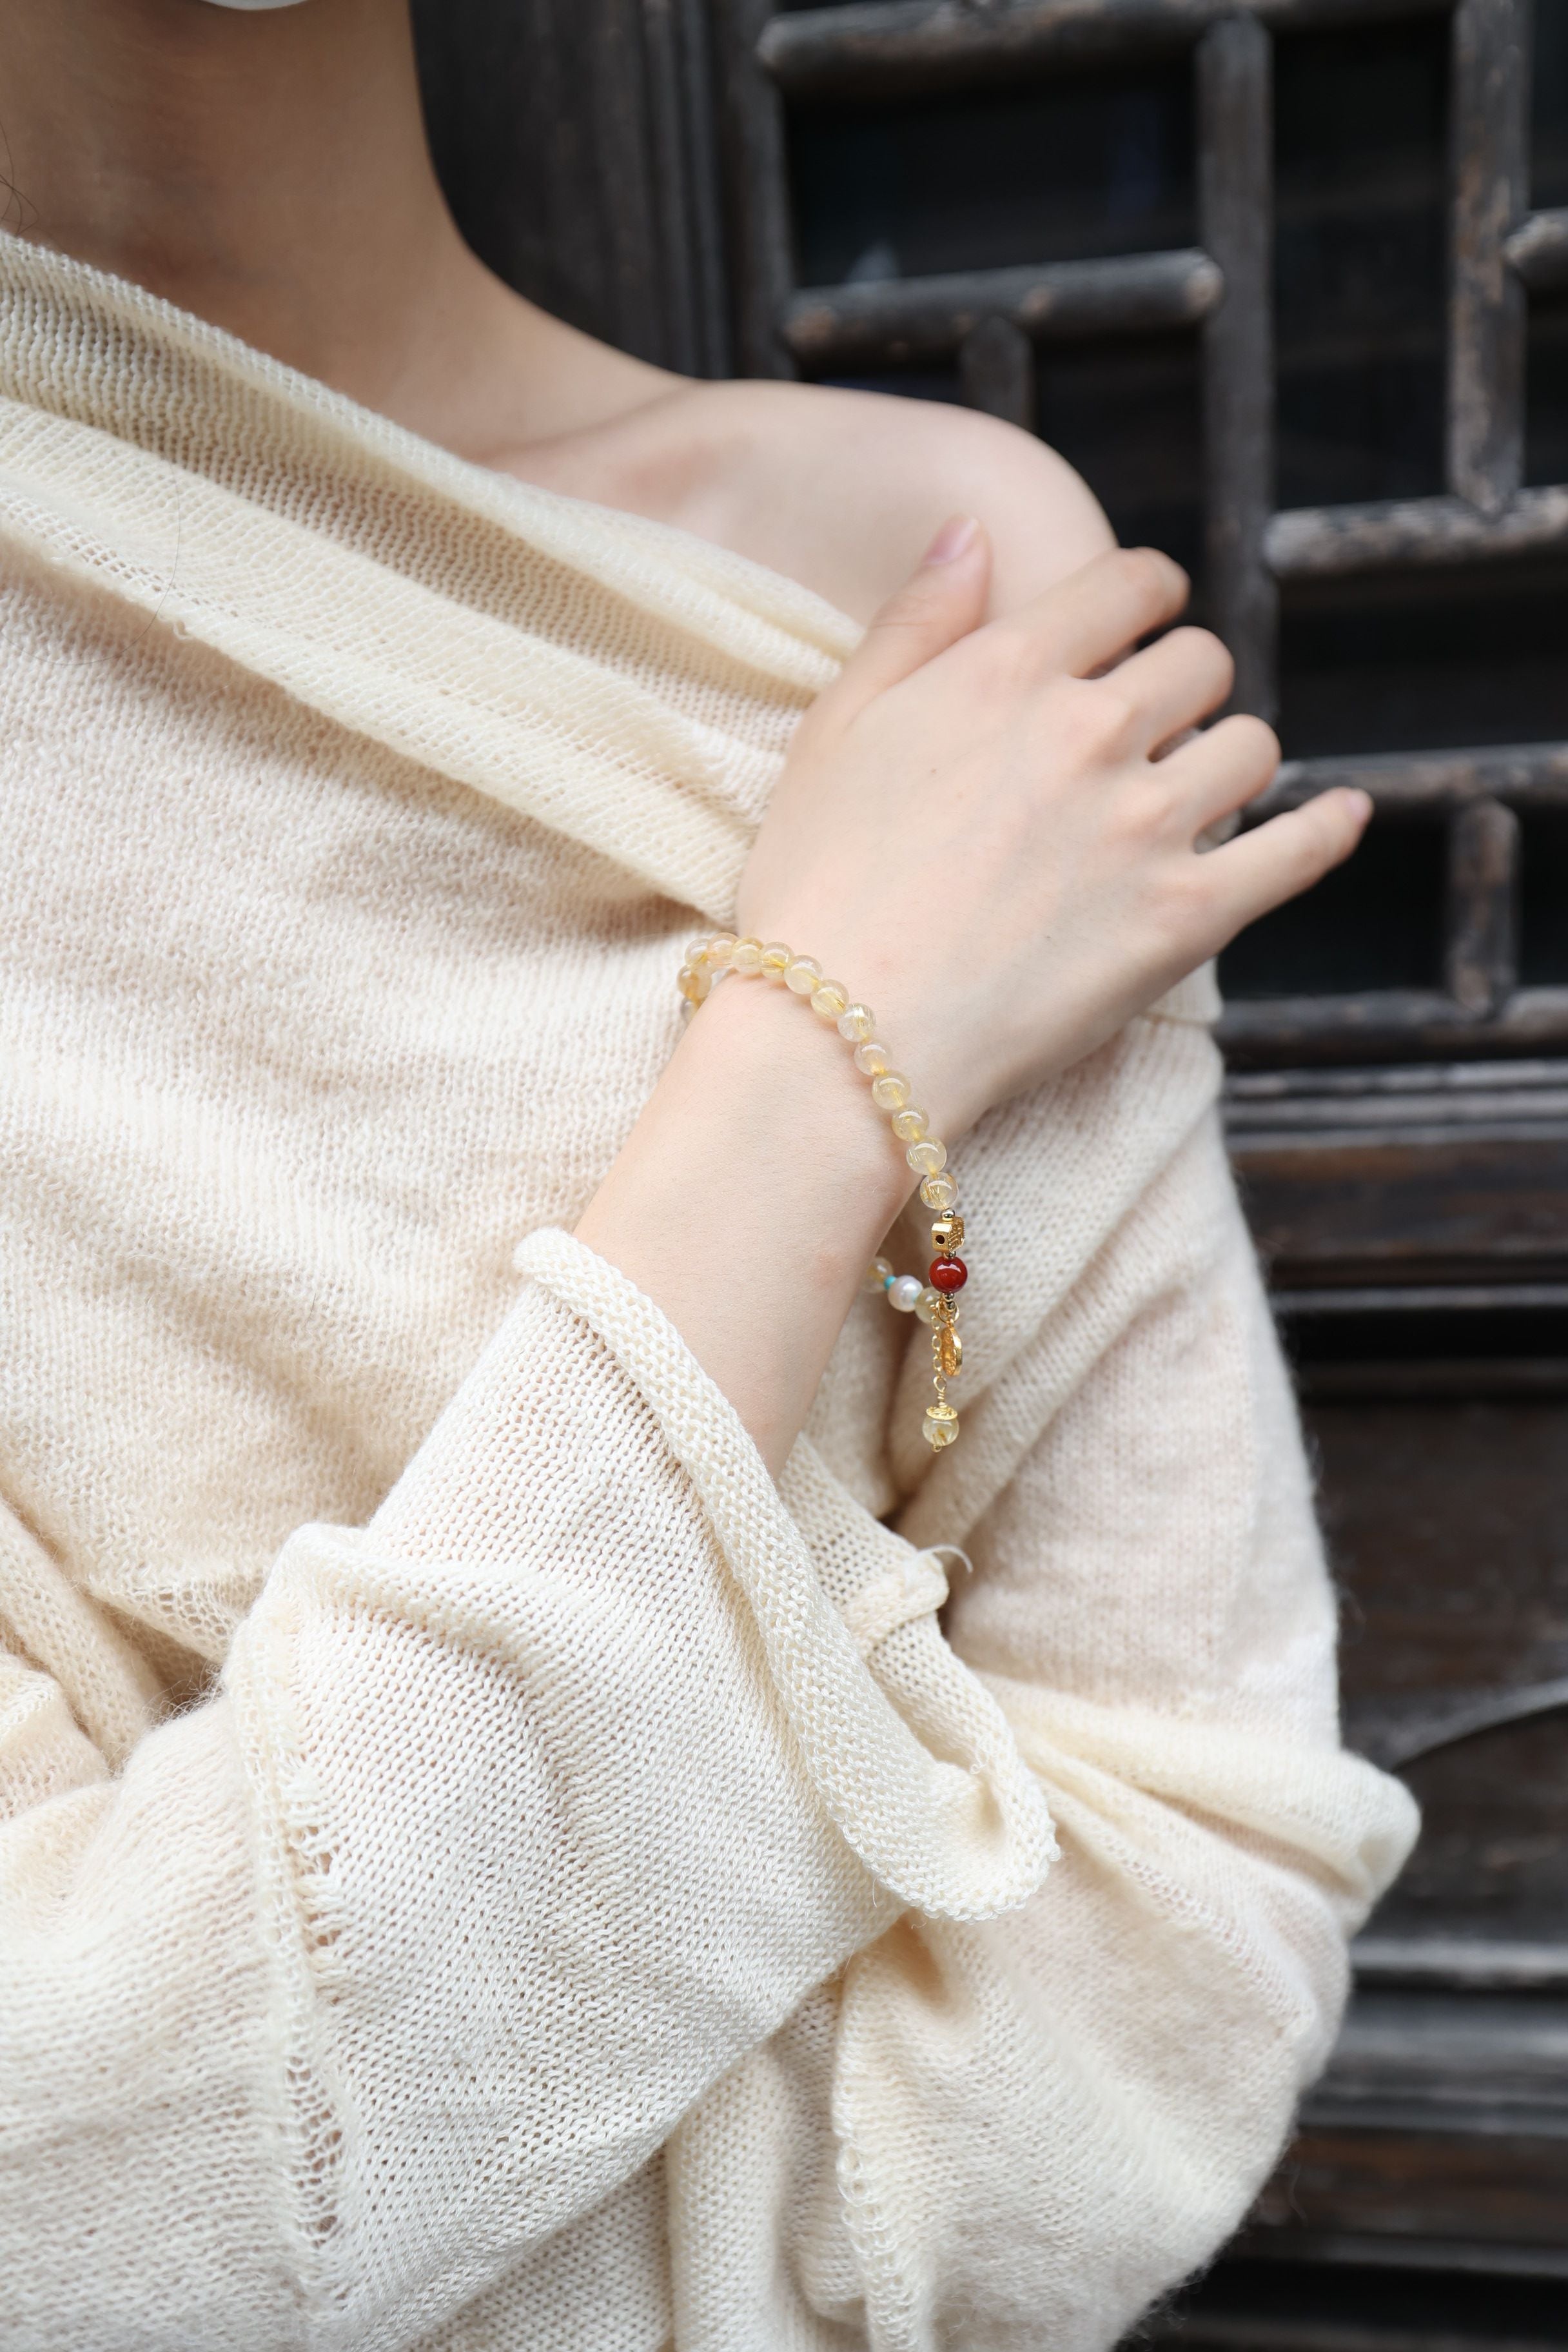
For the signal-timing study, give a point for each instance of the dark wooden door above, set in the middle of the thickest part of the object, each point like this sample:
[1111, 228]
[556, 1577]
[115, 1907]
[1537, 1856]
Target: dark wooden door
[1289, 281]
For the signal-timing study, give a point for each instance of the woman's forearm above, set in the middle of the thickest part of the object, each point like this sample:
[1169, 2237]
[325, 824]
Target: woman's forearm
[749, 1198]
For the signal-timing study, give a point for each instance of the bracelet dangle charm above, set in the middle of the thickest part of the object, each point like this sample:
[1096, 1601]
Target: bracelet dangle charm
[934, 1300]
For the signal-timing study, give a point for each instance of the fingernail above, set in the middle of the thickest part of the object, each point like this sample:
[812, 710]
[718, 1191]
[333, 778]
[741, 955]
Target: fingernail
[1360, 801]
[955, 536]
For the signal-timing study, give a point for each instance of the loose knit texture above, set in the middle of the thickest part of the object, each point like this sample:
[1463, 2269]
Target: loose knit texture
[483, 1869]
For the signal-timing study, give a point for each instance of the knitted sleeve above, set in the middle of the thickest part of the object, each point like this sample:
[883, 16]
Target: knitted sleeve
[1018, 2132]
[522, 1814]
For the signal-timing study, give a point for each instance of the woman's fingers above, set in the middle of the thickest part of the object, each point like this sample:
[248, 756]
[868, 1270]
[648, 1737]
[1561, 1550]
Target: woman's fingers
[1259, 870]
[1089, 620]
[1221, 769]
[1172, 684]
[940, 604]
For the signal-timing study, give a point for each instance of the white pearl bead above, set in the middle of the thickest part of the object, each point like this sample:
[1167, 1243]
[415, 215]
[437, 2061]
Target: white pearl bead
[904, 1292]
[927, 1159]
[856, 1022]
[803, 974]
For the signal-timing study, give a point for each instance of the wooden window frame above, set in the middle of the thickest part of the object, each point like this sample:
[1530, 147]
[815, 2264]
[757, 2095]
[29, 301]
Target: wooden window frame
[991, 322]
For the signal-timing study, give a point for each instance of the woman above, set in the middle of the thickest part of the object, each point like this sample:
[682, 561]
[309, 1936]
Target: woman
[500, 1849]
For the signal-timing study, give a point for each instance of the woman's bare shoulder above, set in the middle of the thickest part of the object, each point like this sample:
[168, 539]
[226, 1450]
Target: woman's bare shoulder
[843, 490]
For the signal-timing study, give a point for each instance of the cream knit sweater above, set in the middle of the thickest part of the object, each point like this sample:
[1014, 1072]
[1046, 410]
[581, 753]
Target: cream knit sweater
[481, 1868]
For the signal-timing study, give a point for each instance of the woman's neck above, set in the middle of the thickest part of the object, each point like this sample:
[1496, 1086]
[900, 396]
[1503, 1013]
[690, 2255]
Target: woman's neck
[271, 172]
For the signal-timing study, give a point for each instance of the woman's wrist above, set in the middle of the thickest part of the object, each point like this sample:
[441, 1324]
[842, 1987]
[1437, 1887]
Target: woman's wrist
[749, 1198]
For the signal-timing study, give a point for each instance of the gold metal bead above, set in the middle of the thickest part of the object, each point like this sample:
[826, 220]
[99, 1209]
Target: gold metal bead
[947, 1233]
[949, 1353]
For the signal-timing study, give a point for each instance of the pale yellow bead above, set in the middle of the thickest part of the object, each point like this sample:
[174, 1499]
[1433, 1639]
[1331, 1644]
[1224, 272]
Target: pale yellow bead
[776, 960]
[829, 1001]
[939, 1193]
[803, 975]
[890, 1091]
[720, 949]
[927, 1159]
[909, 1125]
[879, 1274]
[873, 1058]
[928, 1305]
[856, 1022]
[941, 1426]
[693, 984]
[746, 956]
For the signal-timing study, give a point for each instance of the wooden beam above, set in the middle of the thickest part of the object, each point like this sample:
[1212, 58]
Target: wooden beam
[928, 318]
[1394, 534]
[880, 49]
[1387, 1023]
[1538, 251]
[751, 145]
[1235, 221]
[996, 371]
[1480, 964]
[1521, 775]
[1489, 167]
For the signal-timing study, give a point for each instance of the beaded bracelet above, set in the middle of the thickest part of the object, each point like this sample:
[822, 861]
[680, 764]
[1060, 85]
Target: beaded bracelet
[935, 1301]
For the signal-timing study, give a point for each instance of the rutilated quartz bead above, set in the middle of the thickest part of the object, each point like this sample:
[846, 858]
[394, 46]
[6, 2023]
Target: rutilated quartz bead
[928, 1306]
[802, 975]
[776, 960]
[693, 984]
[872, 1058]
[856, 1023]
[890, 1090]
[939, 1193]
[879, 1274]
[747, 956]
[941, 1426]
[828, 1000]
[927, 1158]
[719, 950]
[909, 1125]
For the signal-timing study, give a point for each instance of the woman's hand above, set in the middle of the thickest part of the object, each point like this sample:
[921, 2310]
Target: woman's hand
[974, 835]
[975, 832]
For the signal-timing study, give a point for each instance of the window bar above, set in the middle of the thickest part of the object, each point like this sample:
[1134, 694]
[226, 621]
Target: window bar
[1234, 105]
[1522, 775]
[996, 371]
[880, 49]
[753, 143]
[1538, 251]
[928, 318]
[1486, 309]
[1480, 961]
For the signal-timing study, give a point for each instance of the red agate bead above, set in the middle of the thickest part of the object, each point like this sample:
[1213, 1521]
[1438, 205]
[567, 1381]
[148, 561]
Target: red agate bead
[948, 1273]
